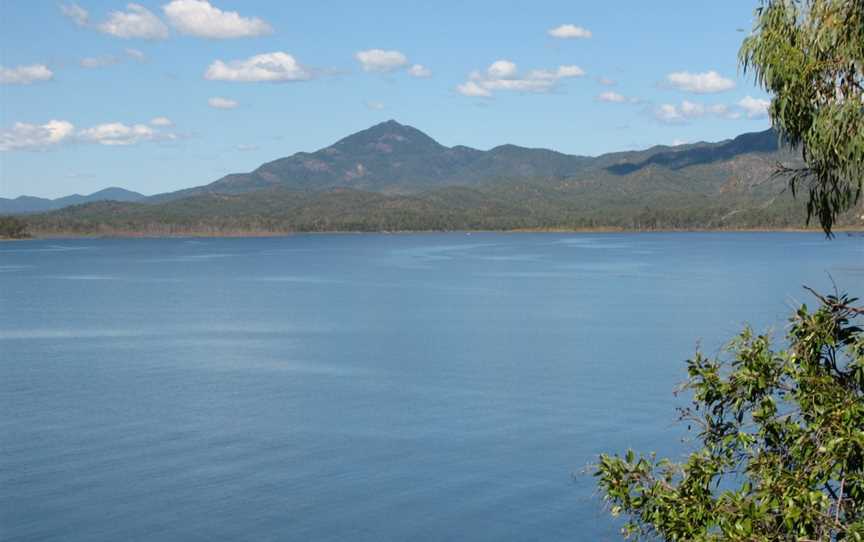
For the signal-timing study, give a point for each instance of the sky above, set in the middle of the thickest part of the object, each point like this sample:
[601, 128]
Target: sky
[161, 95]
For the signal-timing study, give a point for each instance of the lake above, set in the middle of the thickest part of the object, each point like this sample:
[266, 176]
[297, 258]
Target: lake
[362, 387]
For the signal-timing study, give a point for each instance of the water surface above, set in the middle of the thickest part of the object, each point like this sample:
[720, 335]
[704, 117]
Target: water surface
[361, 387]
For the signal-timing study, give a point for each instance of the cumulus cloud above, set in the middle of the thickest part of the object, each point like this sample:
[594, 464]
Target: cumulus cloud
[605, 81]
[700, 83]
[504, 75]
[218, 102]
[119, 134]
[614, 97]
[75, 12]
[277, 66]
[381, 61]
[501, 69]
[668, 113]
[679, 142]
[136, 22]
[375, 106]
[34, 137]
[569, 31]
[25, 75]
[24, 136]
[686, 110]
[419, 70]
[754, 108]
[201, 19]
[473, 90]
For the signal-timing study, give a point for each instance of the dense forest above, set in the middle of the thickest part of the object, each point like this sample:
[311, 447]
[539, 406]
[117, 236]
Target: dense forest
[521, 207]
[12, 228]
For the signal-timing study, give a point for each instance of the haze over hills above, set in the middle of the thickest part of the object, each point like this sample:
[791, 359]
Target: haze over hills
[31, 204]
[395, 177]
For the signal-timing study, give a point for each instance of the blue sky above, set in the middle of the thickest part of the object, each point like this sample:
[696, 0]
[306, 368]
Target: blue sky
[105, 93]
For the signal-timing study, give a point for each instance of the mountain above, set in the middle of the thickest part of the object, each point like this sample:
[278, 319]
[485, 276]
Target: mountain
[30, 204]
[393, 158]
[395, 177]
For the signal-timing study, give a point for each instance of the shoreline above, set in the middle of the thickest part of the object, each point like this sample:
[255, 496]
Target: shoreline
[260, 234]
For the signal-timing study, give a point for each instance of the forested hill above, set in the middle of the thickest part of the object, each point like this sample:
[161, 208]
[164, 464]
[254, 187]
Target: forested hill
[393, 158]
[395, 177]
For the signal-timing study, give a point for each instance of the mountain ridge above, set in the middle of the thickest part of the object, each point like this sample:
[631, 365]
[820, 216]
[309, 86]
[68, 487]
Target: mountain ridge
[32, 204]
[394, 177]
[394, 158]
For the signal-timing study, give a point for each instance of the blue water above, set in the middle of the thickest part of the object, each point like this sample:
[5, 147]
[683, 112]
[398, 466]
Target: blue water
[361, 387]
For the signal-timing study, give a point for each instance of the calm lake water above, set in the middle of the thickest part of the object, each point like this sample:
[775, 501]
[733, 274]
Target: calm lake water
[361, 387]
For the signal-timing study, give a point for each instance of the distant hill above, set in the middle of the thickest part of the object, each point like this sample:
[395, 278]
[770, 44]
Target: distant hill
[395, 177]
[393, 158]
[30, 204]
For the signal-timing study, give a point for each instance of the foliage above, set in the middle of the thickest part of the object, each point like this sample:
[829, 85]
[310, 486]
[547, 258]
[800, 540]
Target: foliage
[502, 207]
[782, 442]
[809, 54]
[12, 227]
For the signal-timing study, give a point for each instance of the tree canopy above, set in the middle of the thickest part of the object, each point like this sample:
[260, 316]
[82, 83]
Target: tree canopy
[780, 452]
[782, 442]
[809, 54]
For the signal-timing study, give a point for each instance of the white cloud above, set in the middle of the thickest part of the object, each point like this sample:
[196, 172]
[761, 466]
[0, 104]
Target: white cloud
[678, 142]
[75, 12]
[24, 75]
[201, 19]
[218, 102]
[98, 61]
[375, 106]
[611, 97]
[569, 31]
[569, 71]
[119, 134]
[605, 81]
[700, 83]
[102, 61]
[504, 75]
[277, 66]
[472, 89]
[30, 137]
[246, 147]
[501, 69]
[668, 113]
[379, 60]
[419, 70]
[687, 110]
[136, 22]
[755, 108]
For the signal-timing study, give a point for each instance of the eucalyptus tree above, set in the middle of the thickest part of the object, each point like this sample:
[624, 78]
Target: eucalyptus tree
[780, 430]
[810, 56]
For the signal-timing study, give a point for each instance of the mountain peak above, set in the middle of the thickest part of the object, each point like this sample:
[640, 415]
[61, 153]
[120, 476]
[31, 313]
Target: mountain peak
[390, 124]
[387, 136]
